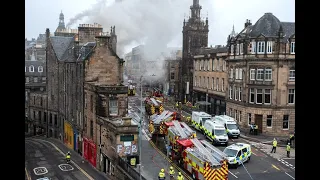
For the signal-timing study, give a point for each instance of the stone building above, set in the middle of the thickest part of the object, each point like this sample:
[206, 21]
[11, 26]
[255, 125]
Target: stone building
[261, 65]
[210, 80]
[106, 105]
[172, 67]
[62, 30]
[194, 36]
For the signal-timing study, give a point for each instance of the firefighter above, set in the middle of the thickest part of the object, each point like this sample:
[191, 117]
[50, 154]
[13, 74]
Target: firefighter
[162, 175]
[274, 145]
[177, 105]
[68, 156]
[180, 177]
[288, 150]
[291, 139]
[171, 172]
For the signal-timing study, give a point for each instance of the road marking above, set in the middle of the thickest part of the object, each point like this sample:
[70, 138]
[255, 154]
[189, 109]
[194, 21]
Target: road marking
[40, 171]
[275, 167]
[65, 167]
[28, 176]
[288, 158]
[233, 174]
[254, 153]
[289, 175]
[85, 173]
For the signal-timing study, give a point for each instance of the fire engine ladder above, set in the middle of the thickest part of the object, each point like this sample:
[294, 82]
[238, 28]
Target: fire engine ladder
[160, 117]
[219, 155]
[204, 151]
[187, 128]
[168, 115]
[155, 103]
[179, 128]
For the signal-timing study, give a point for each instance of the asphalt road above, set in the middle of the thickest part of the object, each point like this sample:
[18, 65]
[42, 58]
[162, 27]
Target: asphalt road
[261, 166]
[42, 159]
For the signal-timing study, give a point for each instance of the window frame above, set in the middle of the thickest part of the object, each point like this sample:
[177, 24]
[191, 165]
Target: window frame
[31, 70]
[292, 78]
[269, 47]
[269, 118]
[294, 96]
[230, 92]
[264, 96]
[269, 71]
[240, 93]
[259, 94]
[261, 47]
[252, 94]
[252, 74]
[40, 69]
[293, 48]
[261, 74]
[111, 106]
[287, 120]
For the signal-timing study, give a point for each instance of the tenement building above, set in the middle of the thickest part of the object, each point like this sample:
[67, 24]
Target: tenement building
[210, 80]
[261, 65]
[171, 80]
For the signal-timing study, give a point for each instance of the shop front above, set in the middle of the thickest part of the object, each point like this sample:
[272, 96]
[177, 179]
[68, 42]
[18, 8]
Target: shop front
[75, 139]
[89, 151]
[217, 103]
[68, 135]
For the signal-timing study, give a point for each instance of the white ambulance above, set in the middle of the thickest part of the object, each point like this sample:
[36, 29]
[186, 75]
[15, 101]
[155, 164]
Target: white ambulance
[230, 124]
[215, 131]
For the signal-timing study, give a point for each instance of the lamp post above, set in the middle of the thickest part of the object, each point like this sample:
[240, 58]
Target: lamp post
[140, 128]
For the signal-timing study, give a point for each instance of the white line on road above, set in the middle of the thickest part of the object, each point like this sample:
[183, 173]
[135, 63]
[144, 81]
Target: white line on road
[289, 175]
[233, 174]
[288, 158]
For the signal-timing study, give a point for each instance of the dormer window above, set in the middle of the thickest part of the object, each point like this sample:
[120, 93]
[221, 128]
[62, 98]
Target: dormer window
[40, 69]
[31, 68]
[293, 48]
[261, 47]
[241, 48]
[253, 47]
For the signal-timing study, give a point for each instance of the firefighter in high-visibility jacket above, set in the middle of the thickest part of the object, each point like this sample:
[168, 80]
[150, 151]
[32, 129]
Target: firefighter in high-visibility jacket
[171, 172]
[180, 177]
[288, 150]
[162, 175]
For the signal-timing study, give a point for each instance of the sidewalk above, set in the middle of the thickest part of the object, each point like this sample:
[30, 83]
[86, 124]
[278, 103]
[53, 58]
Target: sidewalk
[81, 162]
[280, 152]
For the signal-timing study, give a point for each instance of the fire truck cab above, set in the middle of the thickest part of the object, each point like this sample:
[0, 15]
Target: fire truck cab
[153, 106]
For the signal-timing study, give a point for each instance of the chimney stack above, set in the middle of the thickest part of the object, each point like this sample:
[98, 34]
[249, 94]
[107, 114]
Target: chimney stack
[248, 23]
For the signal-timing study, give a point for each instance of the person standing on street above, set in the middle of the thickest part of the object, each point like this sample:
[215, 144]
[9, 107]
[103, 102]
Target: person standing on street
[288, 150]
[274, 145]
[162, 175]
[171, 172]
[180, 177]
[291, 138]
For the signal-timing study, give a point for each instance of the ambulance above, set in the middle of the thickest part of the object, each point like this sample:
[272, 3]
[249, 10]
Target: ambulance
[230, 125]
[238, 153]
[216, 132]
[198, 119]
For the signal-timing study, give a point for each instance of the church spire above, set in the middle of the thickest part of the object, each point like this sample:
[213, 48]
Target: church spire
[233, 33]
[61, 21]
[195, 10]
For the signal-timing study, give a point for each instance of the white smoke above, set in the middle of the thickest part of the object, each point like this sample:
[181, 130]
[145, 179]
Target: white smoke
[154, 23]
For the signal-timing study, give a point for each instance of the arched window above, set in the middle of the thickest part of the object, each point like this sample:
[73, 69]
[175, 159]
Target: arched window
[31, 68]
[40, 69]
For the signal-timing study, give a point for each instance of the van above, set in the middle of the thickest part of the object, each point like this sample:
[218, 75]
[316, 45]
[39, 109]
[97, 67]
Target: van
[198, 119]
[230, 125]
[238, 153]
[215, 131]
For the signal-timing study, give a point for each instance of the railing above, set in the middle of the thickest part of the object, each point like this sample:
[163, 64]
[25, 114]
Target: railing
[129, 169]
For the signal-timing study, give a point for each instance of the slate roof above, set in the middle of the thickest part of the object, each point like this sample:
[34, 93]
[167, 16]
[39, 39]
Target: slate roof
[35, 64]
[86, 49]
[204, 51]
[61, 45]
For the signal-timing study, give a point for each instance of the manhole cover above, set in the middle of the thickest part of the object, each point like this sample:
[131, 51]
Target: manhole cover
[40, 171]
[66, 167]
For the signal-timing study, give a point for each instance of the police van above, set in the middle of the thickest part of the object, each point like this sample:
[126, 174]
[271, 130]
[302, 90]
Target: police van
[230, 125]
[198, 119]
[215, 131]
[238, 153]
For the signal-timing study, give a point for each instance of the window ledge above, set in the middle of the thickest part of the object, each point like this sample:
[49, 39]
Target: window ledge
[286, 129]
[269, 127]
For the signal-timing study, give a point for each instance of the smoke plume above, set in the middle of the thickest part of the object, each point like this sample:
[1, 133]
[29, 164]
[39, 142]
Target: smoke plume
[154, 23]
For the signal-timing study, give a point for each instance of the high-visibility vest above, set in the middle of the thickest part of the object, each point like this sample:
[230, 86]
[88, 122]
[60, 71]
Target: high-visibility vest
[68, 156]
[171, 172]
[288, 147]
[274, 143]
[133, 161]
[180, 177]
[161, 175]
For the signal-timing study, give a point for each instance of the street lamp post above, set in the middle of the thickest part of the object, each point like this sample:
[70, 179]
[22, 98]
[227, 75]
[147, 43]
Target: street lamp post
[140, 127]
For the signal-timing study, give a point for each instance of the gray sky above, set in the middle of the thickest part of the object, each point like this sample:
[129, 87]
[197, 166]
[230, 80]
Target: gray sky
[156, 23]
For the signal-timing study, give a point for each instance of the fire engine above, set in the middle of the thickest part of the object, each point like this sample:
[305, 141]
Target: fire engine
[157, 92]
[153, 106]
[157, 125]
[202, 160]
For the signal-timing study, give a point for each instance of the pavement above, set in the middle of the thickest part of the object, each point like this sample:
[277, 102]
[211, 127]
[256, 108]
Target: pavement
[262, 166]
[44, 157]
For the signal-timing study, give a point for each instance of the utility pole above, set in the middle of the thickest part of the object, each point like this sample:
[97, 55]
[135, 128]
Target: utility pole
[140, 128]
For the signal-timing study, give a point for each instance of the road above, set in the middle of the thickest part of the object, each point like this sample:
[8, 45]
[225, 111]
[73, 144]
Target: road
[44, 159]
[261, 166]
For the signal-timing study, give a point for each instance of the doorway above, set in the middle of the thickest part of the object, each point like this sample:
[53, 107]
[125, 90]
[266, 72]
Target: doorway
[258, 121]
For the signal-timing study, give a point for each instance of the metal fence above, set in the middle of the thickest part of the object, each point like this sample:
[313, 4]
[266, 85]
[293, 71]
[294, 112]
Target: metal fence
[129, 169]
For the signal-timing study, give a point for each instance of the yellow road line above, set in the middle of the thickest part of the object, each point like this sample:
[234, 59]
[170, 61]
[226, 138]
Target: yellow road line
[275, 167]
[28, 177]
[84, 172]
[173, 164]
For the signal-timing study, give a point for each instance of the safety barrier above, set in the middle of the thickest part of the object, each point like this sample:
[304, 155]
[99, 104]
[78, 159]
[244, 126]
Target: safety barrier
[129, 169]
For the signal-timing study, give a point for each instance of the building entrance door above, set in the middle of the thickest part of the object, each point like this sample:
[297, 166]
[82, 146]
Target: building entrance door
[258, 121]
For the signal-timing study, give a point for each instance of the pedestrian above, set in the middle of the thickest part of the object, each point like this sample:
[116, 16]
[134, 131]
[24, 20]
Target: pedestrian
[171, 172]
[288, 150]
[180, 177]
[274, 145]
[251, 128]
[162, 175]
[291, 139]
